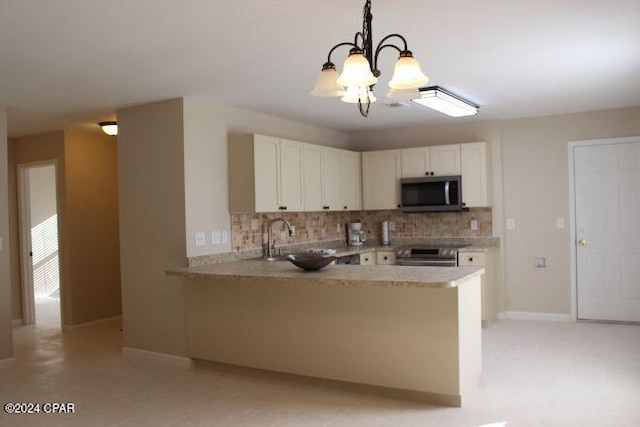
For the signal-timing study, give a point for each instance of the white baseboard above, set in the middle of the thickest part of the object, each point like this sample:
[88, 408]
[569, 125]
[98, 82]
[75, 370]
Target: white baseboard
[7, 363]
[527, 315]
[16, 322]
[159, 358]
[111, 321]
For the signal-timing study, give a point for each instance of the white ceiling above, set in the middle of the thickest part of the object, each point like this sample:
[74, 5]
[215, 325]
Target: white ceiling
[71, 62]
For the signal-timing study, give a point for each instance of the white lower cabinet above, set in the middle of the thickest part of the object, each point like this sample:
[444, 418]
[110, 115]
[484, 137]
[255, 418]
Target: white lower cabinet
[385, 257]
[484, 258]
[368, 259]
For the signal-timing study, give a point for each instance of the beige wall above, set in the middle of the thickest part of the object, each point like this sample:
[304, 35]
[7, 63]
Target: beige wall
[6, 336]
[152, 225]
[91, 206]
[530, 184]
[206, 126]
[87, 221]
[536, 192]
[173, 154]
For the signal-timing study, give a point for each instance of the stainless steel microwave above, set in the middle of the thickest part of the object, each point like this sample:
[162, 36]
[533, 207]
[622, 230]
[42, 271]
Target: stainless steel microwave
[431, 194]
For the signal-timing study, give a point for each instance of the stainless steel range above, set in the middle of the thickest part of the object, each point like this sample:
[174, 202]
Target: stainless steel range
[435, 256]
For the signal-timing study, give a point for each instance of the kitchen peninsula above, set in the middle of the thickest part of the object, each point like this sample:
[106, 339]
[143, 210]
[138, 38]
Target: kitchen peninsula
[414, 331]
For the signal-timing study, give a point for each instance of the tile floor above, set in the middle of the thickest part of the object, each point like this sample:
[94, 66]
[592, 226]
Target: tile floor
[535, 374]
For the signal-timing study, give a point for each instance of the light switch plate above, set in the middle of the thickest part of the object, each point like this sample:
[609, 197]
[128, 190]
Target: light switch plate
[560, 223]
[225, 236]
[216, 237]
[511, 223]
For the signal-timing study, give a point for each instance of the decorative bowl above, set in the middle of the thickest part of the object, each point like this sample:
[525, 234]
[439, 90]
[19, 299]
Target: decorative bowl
[310, 262]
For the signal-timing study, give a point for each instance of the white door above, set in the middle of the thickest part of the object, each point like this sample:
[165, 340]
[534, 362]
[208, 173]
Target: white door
[39, 244]
[607, 208]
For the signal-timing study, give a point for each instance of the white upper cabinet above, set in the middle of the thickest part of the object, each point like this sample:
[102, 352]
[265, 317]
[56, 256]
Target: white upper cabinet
[351, 181]
[266, 152]
[475, 185]
[430, 161]
[313, 173]
[265, 174]
[290, 185]
[331, 179]
[445, 159]
[381, 172]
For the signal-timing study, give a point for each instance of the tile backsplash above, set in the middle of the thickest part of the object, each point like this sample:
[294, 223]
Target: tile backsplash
[249, 231]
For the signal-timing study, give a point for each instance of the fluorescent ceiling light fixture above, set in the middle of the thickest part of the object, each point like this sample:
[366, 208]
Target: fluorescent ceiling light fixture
[446, 102]
[110, 128]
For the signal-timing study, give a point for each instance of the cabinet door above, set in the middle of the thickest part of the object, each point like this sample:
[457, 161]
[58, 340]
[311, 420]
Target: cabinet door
[291, 197]
[368, 259]
[385, 258]
[475, 191]
[380, 179]
[415, 162]
[351, 181]
[445, 159]
[331, 179]
[265, 157]
[312, 173]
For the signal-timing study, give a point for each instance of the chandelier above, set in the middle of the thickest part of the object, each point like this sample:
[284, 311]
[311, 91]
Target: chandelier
[360, 70]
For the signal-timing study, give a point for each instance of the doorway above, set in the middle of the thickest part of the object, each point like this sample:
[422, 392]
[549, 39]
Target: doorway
[39, 252]
[606, 229]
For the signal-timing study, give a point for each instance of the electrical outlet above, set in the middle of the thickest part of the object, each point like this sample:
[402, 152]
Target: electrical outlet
[216, 237]
[559, 223]
[539, 263]
[225, 236]
[474, 225]
[200, 239]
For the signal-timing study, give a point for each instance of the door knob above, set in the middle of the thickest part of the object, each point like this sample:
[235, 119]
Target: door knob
[582, 242]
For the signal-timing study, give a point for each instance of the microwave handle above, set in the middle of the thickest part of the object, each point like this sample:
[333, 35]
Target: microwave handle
[447, 201]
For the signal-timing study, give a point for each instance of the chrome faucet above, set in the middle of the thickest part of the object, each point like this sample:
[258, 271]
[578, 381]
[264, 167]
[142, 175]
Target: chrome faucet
[271, 242]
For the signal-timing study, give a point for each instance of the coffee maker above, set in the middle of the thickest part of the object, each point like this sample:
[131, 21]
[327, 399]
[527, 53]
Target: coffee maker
[355, 235]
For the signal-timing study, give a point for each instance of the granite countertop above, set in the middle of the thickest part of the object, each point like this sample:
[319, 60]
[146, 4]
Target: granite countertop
[348, 275]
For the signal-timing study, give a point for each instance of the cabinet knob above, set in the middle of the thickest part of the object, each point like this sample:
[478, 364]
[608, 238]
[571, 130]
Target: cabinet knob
[345, 207]
[399, 206]
[426, 173]
[285, 208]
[431, 173]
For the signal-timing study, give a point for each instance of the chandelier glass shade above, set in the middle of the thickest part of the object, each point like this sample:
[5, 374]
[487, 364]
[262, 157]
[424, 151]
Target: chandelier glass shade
[360, 70]
[327, 85]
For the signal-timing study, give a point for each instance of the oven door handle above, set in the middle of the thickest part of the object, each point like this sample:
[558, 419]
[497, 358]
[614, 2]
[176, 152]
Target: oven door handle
[447, 200]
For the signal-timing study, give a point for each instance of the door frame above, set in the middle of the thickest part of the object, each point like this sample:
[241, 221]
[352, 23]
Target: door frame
[24, 232]
[572, 208]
